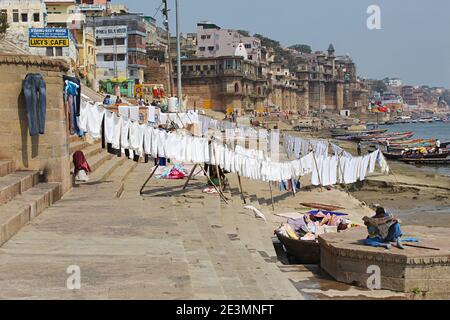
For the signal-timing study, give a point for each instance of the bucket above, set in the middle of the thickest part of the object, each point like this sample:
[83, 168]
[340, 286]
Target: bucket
[173, 104]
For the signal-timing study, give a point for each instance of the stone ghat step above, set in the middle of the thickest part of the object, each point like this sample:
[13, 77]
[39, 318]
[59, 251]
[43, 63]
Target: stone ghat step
[16, 183]
[241, 237]
[255, 237]
[89, 150]
[107, 168]
[75, 138]
[121, 174]
[25, 207]
[6, 167]
[78, 145]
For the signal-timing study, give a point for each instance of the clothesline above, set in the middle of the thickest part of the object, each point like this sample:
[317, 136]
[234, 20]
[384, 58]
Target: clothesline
[145, 139]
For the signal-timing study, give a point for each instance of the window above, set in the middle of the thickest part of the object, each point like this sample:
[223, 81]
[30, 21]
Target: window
[24, 17]
[229, 64]
[120, 41]
[36, 17]
[205, 68]
[108, 57]
[49, 51]
[198, 68]
[191, 68]
[15, 15]
[208, 37]
[236, 87]
[203, 37]
[183, 68]
[58, 51]
[202, 49]
[120, 57]
[212, 67]
[109, 42]
[211, 48]
[98, 42]
[250, 57]
[248, 46]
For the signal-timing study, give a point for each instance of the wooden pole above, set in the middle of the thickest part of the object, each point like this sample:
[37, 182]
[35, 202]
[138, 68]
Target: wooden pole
[148, 179]
[218, 172]
[190, 176]
[271, 196]
[240, 188]
[220, 192]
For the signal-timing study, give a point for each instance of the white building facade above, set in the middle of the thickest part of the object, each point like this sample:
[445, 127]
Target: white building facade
[212, 41]
[112, 49]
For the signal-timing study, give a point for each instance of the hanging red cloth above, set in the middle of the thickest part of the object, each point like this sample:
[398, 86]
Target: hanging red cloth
[155, 92]
[80, 162]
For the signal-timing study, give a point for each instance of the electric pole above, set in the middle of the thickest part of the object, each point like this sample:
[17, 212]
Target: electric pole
[180, 96]
[165, 13]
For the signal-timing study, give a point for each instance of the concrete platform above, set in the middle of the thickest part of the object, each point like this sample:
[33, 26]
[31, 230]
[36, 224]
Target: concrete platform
[413, 270]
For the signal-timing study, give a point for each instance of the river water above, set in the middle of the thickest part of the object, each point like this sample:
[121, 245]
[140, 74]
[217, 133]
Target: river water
[433, 130]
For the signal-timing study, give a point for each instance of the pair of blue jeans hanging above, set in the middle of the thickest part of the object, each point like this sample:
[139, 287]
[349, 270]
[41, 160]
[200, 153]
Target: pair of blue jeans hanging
[71, 95]
[35, 92]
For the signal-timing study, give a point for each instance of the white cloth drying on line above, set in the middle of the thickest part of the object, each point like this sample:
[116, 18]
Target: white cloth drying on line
[95, 115]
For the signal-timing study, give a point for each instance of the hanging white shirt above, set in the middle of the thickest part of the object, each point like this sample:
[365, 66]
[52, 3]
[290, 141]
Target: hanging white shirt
[94, 121]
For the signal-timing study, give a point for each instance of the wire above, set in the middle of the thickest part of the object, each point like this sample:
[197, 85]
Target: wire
[158, 10]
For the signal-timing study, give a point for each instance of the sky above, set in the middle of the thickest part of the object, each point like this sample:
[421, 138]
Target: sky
[412, 44]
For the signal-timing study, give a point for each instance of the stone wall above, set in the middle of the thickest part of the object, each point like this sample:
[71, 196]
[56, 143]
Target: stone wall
[157, 72]
[49, 152]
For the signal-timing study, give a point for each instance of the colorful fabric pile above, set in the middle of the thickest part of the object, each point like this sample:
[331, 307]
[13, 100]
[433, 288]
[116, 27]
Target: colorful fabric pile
[311, 225]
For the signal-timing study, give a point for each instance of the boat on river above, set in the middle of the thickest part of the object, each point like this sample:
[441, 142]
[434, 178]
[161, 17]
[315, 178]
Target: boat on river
[391, 136]
[404, 157]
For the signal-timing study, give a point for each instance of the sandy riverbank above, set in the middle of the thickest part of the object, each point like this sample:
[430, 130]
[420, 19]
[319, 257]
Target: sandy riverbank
[419, 196]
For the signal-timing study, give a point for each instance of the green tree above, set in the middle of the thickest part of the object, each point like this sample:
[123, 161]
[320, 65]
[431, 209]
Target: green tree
[303, 48]
[244, 33]
[3, 22]
[379, 86]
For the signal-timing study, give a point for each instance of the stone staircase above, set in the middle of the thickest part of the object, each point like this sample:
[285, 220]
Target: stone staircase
[229, 253]
[22, 198]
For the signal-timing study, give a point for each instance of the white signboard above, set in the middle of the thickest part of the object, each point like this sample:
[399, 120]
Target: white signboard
[111, 32]
[92, 7]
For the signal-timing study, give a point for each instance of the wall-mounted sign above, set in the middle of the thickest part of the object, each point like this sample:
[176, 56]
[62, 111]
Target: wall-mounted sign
[111, 32]
[92, 7]
[48, 37]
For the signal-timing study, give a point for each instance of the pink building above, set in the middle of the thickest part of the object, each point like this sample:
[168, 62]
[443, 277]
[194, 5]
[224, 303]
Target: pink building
[212, 41]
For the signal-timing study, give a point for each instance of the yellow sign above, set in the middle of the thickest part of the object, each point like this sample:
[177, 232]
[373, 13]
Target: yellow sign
[138, 90]
[207, 104]
[47, 42]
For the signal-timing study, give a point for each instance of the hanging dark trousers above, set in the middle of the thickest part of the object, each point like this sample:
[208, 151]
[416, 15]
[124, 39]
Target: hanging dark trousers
[35, 92]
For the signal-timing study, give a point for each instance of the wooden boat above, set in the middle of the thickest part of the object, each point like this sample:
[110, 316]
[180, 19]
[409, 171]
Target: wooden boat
[439, 162]
[410, 142]
[303, 251]
[340, 133]
[393, 136]
[399, 156]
